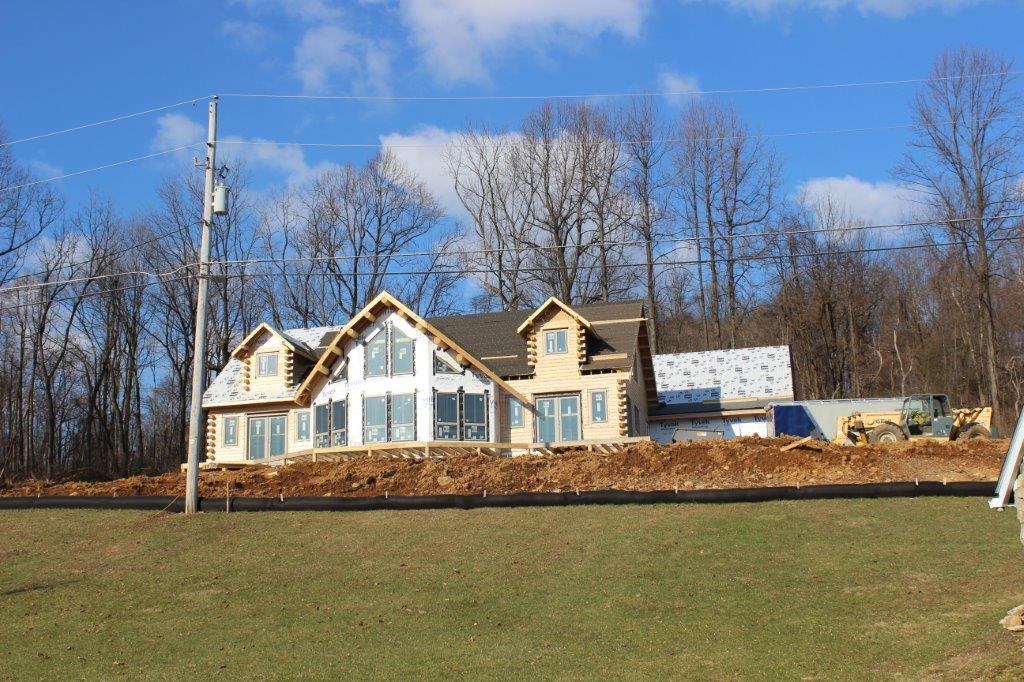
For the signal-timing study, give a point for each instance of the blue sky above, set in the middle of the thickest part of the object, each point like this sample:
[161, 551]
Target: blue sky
[72, 62]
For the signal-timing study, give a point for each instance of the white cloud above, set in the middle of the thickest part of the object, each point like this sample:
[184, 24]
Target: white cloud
[248, 35]
[874, 203]
[45, 170]
[422, 153]
[894, 9]
[304, 10]
[670, 81]
[459, 35]
[177, 130]
[329, 50]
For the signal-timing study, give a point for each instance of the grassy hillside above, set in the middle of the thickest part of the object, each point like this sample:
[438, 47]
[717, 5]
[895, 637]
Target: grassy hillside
[849, 589]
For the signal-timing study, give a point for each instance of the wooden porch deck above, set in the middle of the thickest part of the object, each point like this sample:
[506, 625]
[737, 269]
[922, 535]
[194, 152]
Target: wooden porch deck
[428, 450]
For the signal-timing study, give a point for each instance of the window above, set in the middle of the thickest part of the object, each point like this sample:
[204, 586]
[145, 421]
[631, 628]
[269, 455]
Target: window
[302, 426]
[558, 419]
[556, 341]
[599, 406]
[341, 372]
[377, 356]
[322, 422]
[230, 430]
[515, 413]
[339, 423]
[266, 365]
[267, 436]
[474, 413]
[401, 353]
[375, 419]
[441, 366]
[446, 416]
[403, 417]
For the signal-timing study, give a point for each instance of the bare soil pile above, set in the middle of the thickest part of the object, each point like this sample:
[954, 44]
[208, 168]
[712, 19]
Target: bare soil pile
[739, 463]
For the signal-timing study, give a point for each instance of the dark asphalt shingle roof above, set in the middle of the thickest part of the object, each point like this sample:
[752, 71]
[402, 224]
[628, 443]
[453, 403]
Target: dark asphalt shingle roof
[492, 335]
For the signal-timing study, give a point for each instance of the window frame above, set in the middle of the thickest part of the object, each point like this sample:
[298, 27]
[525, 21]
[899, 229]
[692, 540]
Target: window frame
[467, 425]
[260, 357]
[380, 337]
[383, 425]
[393, 423]
[514, 421]
[299, 438]
[322, 439]
[603, 392]
[446, 367]
[447, 424]
[393, 348]
[338, 437]
[554, 335]
[233, 421]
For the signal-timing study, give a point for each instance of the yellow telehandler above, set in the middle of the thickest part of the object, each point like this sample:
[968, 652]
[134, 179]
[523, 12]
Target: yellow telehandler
[926, 415]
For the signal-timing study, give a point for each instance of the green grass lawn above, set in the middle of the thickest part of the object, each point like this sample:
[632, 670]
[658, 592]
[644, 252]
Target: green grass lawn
[847, 589]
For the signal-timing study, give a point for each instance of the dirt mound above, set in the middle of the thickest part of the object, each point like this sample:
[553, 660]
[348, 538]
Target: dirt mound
[739, 463]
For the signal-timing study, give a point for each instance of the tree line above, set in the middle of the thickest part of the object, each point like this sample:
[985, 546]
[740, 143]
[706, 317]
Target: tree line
[684, 209]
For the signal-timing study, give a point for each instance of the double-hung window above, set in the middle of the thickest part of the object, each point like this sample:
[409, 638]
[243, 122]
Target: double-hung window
[377, 355]
[266, 365]
[330, 422]
[599, 406]
[302, 426]
[403, 417]
[230, 430]
[446, 416]
[556, 341]
[516, 417]
[401, 353]
[322, 425]
[474, 416]
[375, 419]
[339, 423]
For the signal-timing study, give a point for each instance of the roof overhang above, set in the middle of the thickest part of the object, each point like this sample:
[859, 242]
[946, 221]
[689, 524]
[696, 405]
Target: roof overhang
[552, 301]
[244, 346]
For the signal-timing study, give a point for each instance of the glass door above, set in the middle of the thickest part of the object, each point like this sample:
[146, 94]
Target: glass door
[278, 429]
[558, 419]
[547, 428]
[569, 417]
[257, 442]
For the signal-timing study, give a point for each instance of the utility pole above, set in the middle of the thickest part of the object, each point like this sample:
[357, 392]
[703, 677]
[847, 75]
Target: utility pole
[196, 427]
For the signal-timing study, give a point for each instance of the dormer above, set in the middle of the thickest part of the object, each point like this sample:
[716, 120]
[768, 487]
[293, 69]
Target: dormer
[554, 333]
[272, 360]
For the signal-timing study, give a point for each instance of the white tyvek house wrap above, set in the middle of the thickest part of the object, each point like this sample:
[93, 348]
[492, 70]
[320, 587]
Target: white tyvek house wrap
[737, 374]
[423, 382]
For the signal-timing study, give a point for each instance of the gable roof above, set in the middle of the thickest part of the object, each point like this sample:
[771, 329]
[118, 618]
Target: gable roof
[367, 315]
[552, 301]
[289, 339]
[227, 386]
[494, 337]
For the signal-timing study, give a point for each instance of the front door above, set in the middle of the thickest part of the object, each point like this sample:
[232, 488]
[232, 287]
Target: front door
[558, 419]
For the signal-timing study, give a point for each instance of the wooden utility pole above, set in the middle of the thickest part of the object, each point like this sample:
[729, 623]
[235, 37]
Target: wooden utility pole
[196, 427]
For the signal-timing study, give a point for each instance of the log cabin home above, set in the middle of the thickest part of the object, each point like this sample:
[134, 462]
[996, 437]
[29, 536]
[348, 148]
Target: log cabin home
[390, 380]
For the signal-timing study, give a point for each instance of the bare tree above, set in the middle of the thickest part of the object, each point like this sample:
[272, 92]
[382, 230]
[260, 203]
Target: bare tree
[965, 161]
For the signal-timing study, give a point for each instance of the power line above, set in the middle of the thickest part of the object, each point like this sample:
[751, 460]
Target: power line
[99, 168]
[482, 252]
[115, 119]
[635, 242]
[609, 95]
[470, 271]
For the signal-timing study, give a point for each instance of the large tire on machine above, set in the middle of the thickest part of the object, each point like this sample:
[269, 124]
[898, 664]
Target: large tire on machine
[886, 433]
[974, 431]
